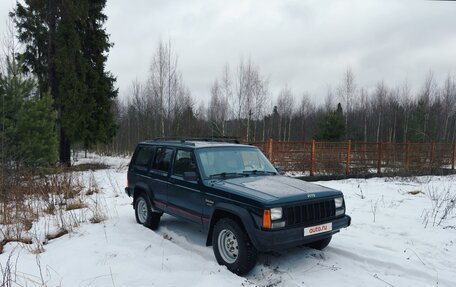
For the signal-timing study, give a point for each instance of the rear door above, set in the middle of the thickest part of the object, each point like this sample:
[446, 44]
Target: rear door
[185, 198]
[159, 173]
[138, 170]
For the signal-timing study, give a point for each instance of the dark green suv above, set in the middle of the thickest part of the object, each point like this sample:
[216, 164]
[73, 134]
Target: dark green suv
[234, 193]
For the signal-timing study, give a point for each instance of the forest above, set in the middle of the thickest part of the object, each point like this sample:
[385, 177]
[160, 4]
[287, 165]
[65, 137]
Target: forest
[241, 105]
[59, 97]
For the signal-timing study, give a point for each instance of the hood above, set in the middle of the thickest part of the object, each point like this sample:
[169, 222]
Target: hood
[275, 189]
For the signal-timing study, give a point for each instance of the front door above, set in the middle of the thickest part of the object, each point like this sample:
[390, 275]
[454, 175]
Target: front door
[184, 197]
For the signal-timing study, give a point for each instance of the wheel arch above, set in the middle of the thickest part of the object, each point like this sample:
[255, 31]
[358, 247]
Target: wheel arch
[142, 188]
[238, 214]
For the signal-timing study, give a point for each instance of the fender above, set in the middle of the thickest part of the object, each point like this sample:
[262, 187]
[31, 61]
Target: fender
[144, 187]
[240, 212]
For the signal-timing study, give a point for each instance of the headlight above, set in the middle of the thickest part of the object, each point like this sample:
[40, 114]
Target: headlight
[276, 213]
[339, 201]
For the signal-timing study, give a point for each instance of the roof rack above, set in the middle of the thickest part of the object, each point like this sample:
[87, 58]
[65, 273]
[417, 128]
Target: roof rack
[208, 139]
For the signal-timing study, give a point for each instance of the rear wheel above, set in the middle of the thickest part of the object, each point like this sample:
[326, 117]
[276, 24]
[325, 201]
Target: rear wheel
[144, 214]
[232, 247]
[320, 244]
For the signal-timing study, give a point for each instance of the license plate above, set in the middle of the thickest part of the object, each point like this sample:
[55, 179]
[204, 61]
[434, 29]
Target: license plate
[317, 229]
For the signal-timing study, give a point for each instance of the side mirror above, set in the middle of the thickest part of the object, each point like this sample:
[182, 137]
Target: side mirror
[190, 176]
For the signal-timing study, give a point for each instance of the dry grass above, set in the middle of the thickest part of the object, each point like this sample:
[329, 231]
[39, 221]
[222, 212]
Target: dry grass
[87, 167]
[7, 240]
[92, 191]
[415, 192]
[443, 205]
[75, 205]
[59, 233]
[97, 218]
[93, 186]
[50, 209]
[60, 200]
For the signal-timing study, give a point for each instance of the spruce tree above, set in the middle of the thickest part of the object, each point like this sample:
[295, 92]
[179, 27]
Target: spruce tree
[13, 89]
[100, 83]
[27, 121]
[332, 127]
[71, 58]
[37, 141]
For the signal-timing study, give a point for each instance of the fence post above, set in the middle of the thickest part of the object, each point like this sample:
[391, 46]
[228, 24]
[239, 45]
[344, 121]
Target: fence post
[347, 166]
[312, 158]
[270, 149]
[379, 157]
[454, 155]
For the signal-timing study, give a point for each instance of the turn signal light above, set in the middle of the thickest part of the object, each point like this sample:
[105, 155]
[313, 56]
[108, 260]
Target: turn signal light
[267, 219]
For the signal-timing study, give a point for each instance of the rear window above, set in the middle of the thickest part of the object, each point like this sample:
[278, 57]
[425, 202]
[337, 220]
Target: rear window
[162, 161]
[144, 154]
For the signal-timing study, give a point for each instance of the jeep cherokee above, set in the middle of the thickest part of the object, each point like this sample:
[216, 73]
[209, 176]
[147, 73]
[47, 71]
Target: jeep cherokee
[235, 194]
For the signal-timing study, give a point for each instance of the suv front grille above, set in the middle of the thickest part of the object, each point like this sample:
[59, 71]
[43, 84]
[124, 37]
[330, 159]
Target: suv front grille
[310, 213]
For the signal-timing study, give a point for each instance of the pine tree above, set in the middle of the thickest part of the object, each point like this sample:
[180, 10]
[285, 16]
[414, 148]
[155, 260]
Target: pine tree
[13, 89]
[27, 121]
[66, 46]
[332, 127]
[95, 46]
[37, 141]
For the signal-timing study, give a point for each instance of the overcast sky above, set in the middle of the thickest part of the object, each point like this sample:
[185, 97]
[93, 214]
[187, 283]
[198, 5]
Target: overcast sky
[306, 45]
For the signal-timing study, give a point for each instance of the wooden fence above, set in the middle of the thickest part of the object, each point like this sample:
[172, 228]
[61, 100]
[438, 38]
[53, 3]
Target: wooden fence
[358, 158]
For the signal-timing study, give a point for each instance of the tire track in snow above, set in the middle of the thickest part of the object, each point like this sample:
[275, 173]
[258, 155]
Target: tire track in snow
[386, 265]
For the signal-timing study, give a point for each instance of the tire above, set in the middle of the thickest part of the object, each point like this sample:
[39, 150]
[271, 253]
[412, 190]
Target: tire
[320, 244]
[232, 247]
[144, 214]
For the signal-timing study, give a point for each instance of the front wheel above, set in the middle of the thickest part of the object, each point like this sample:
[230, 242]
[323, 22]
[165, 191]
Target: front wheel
[320, 244]
[144, 214]
[232, 247]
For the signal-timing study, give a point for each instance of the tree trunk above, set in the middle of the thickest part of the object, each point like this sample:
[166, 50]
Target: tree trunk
[64, 144]
[346, 122]
[406, 127]
[453, 138]
[248, 126]
[280, 128]
[426, 117]
[289, 129]
[254, 130]
[64, 149]
[445, 127]
[264, 127]
[394, 127]
[378, 127]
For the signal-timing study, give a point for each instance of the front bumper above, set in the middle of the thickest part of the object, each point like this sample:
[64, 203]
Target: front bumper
[270, 240]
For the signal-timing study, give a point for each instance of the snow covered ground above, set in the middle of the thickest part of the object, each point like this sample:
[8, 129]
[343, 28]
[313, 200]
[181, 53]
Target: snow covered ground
[388, 244]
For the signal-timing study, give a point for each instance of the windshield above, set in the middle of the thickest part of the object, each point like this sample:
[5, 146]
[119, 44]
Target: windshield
[233, 161]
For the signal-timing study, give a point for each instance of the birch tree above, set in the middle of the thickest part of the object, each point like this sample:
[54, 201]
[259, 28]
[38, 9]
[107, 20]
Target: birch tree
[285, 104]
[346, 93]
[448, 95]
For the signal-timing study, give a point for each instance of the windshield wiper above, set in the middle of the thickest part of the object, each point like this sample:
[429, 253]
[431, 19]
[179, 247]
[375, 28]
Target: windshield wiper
[258, 172]
[227, 174]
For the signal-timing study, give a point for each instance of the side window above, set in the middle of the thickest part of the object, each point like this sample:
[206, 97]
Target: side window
[162, 160]
[144, 154]
[183, 162]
